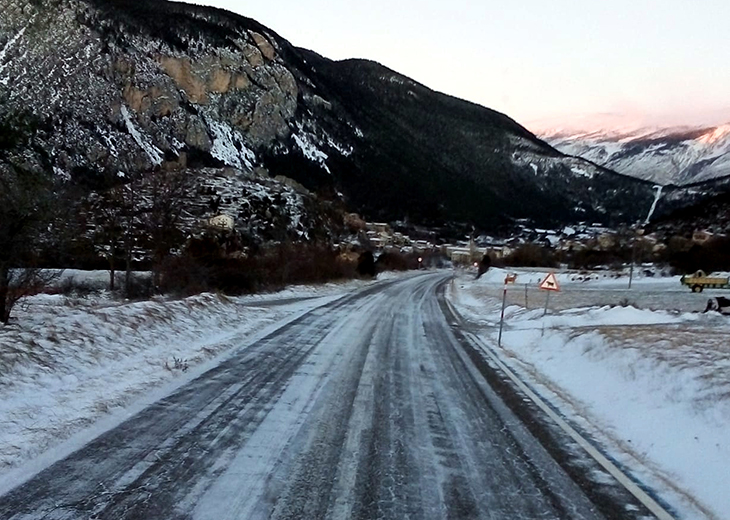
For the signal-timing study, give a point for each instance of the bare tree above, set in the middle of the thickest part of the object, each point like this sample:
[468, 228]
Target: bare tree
[26, 194]
[131, 228]
[168, 191]
[107, 209]
[140, 216]
[118, 215]
[19, 283]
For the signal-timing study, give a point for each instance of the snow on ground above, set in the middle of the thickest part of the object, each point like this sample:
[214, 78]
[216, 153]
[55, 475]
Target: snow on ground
[640, 369]
[67, 362]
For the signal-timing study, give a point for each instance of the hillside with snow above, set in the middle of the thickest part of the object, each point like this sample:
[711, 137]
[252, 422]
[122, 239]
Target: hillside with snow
[678, 155]
[133, 88]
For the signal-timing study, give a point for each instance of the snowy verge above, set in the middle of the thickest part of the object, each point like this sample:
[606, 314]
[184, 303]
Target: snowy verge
[67, 363]
[653, 386]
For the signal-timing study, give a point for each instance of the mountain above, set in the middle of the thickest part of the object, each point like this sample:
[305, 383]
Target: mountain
[712, 215]
[679, 156]
[124, 88]
[462, 161]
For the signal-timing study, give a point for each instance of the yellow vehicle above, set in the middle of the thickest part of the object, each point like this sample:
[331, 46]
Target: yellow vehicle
[699, 281]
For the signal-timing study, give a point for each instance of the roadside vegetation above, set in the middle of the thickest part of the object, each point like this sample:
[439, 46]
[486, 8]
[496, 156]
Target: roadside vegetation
[677, 255]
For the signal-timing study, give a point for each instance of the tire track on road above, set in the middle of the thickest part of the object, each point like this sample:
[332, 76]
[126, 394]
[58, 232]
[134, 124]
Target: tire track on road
[162, 450]
[368, 407]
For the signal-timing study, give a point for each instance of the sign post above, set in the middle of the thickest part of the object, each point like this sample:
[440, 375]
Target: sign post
[549, 284]
[510, 278]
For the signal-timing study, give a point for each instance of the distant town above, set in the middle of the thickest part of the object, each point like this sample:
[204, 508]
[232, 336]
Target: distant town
[569, 239]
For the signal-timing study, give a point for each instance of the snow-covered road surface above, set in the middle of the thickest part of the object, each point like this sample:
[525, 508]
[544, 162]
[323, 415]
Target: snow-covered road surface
[366, 407]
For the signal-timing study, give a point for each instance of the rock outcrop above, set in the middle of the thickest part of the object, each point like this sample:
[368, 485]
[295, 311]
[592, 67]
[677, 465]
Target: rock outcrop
[121, 98]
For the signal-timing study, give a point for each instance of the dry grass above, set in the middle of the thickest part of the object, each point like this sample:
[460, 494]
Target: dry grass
[701, 350]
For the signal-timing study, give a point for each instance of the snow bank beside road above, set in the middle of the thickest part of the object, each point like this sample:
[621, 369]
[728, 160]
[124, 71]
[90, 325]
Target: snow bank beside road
[652, 386]
[67, 362]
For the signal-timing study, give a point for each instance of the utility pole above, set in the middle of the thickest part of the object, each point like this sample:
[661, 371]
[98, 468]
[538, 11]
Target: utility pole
[501, 318]
[637, 233]
[631, 268]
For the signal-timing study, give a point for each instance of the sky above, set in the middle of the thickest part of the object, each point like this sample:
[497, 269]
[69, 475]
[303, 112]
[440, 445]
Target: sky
[558, 64]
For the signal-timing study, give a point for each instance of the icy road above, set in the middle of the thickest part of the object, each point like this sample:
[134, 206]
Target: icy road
[367, 407]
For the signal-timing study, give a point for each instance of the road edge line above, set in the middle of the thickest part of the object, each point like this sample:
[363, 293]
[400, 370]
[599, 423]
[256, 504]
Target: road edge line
[627, 482]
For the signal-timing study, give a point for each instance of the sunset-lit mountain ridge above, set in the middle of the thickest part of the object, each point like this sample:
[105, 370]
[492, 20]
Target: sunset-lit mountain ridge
[673, 155]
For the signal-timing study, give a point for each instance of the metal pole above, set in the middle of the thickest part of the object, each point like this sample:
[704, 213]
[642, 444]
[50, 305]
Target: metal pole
[631, 272]
[526, 307]
[633, 259]
[547, 299]
[501, 318]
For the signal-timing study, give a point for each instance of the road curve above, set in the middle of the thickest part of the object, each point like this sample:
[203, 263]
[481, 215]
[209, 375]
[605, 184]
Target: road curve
[364, 408]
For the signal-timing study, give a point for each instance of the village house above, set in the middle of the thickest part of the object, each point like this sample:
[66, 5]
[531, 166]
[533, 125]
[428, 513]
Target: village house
[701, 236]
[221, 222]
[379, 227]
[466, 255]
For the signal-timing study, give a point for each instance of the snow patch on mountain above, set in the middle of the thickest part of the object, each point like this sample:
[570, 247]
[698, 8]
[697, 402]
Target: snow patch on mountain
[582, 172]
[155, 154]
[61, 174]
[109, 141]
[228, 146]
[346, 151]
[306, 143]
[656, 201]
[529, 154]
[4, 51]
[718, 134]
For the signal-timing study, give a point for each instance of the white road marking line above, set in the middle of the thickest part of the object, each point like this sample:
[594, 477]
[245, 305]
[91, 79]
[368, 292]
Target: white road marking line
[631, 486]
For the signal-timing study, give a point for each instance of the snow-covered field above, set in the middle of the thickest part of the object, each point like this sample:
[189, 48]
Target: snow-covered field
[643, 370]
[67, 363]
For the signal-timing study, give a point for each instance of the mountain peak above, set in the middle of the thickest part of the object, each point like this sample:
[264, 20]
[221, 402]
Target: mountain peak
[671, 155]
[715, 135]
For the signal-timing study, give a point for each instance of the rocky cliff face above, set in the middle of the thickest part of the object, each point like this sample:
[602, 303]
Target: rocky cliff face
[124, 98]
[125, 88]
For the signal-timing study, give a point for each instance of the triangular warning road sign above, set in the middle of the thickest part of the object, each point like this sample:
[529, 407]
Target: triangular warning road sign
[550, 283]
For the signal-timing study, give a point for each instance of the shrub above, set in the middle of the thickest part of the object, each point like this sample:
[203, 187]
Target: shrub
[714, 255]
[484, 265]
[530, 255]
[394, 261]
[366, 264]
[269, 268]
[70, 286]
[183, 276]
[140, 287]
[299, 263]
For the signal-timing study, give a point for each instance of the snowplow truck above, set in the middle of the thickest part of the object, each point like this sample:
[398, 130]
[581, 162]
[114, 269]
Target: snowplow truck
[700, 281]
